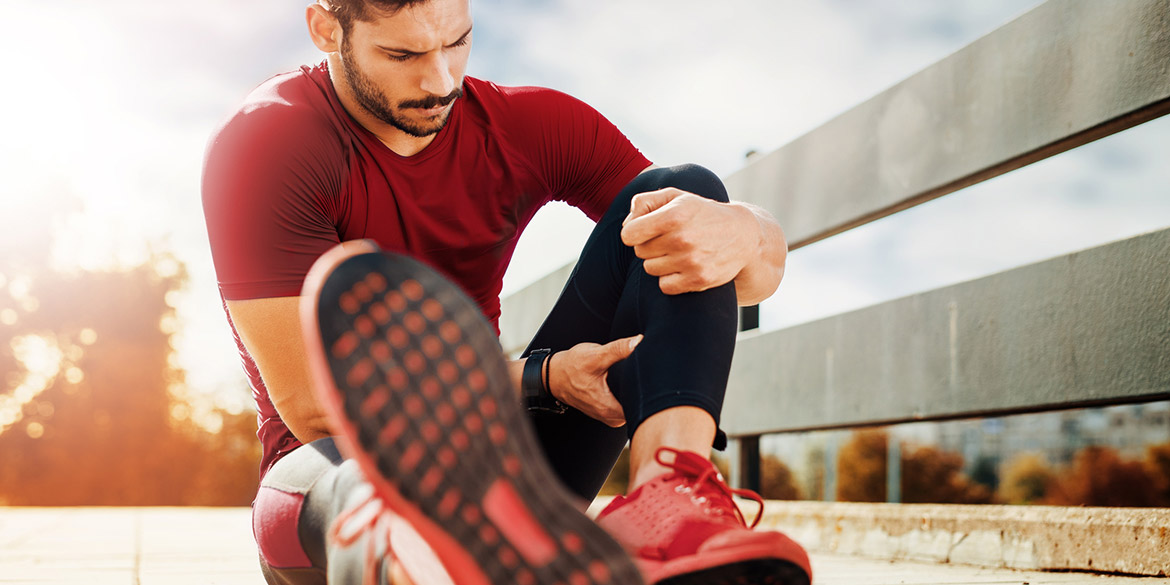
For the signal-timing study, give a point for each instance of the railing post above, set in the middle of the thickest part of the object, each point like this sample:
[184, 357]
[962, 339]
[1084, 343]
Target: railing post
[749, 318]
[746, 463]
[745, 460]
[893, 470]
[830, 486]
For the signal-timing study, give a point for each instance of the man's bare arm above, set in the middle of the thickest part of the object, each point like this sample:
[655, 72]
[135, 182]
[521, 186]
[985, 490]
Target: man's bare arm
[271, 330]
[761, 275]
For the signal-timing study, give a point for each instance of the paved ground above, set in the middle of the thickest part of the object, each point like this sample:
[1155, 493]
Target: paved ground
[181, 546]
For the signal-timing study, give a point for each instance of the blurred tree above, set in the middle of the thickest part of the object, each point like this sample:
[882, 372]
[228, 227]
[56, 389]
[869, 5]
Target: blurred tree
[1026, 479]
[619, 477]
[933, 476]
[985, 473]
[861, 467]
[929, 475]
[98, 429]
[1100, 477]
[1158, 466]
[777, 481]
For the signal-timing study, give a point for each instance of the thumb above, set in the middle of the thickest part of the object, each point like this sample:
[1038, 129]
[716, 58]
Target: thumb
[644, 203]
[619, 349]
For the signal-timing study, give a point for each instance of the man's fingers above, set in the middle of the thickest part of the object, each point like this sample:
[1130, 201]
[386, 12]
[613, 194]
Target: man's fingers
[644, 203]
[642, 224]
[619, 349]
[665, 265]
[677, 284]
[615, 415]
[655, 247]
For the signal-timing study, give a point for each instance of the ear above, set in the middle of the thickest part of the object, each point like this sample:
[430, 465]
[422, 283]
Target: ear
[324, 28]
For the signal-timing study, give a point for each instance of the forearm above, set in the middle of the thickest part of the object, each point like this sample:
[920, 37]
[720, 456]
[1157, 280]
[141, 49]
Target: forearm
[761, 276]
[515, 373]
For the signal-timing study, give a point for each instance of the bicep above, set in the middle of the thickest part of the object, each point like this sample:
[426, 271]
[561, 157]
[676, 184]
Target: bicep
[271, 331]
[583, 157]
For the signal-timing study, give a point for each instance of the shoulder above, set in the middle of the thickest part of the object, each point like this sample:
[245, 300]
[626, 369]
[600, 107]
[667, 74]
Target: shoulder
[520, 100]
[287, 113]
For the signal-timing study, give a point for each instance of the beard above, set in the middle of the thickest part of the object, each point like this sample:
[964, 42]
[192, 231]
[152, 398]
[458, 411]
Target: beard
[375, 102]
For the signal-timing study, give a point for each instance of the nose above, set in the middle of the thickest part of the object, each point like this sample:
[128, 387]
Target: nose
[436, 75]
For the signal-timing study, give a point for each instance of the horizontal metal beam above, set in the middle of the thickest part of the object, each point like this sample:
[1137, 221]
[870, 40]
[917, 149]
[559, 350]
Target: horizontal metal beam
[1065, 74]
[1084, 329]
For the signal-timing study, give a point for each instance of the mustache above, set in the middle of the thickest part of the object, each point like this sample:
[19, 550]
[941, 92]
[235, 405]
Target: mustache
[433, 101]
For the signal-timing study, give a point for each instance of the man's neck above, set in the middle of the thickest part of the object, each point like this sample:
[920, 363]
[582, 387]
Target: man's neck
[396, 140]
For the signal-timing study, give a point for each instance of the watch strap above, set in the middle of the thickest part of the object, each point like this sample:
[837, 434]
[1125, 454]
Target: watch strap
[537, 396]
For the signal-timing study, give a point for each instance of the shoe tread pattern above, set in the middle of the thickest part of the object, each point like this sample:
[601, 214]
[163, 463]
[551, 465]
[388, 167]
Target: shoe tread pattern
[424, 382]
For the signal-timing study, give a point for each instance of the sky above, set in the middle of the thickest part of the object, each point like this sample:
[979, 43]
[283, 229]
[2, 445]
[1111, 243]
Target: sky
[108, 106]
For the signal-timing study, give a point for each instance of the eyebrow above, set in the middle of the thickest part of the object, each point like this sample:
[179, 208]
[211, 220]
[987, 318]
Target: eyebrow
[408, 52]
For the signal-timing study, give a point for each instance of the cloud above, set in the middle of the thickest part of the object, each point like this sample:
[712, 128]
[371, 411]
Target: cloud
[690, 81]
[118, 99]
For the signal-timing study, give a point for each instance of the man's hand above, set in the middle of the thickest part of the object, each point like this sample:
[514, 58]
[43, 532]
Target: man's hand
[577, 378]
[689, 242]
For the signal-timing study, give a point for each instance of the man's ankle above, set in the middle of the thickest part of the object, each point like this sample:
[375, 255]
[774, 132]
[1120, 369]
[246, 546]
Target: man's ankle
[686, 428]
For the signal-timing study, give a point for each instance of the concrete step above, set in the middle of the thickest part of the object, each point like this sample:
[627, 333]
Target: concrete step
[213, 546]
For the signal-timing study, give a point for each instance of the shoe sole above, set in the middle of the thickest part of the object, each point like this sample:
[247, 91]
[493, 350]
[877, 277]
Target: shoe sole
[753, 572]
[779, 562]
[415, 382]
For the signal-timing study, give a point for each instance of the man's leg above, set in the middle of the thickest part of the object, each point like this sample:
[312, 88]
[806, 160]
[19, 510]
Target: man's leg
[671, 388]
[416, 387]
[293, 511]
[679, 517]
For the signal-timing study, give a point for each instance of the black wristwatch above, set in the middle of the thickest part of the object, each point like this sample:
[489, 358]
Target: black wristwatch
[533, 383]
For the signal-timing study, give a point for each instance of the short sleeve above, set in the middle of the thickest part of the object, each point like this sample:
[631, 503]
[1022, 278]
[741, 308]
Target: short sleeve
[584, 159]
[272, 180]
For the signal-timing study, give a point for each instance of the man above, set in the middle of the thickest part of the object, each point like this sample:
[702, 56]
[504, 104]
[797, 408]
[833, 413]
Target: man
[388, 141]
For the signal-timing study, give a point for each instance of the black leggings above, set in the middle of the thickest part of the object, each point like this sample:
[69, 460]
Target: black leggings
[684, 357]
[683, 360]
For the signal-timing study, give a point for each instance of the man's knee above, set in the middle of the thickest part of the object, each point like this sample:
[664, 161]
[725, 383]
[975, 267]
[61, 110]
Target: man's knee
[691, 178]
[275, 518]
[286, 500]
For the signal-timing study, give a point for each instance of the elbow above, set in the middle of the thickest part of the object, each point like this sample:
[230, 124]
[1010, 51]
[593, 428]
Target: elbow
[758, 285]
[306, 424]
[307, 432]
[758, 291]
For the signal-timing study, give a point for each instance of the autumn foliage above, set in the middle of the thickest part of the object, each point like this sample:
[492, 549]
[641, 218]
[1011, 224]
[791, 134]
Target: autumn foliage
[1100, 477]
[1025, 480]
[97, 426]
[777, 482]
[861, 468]
[929, 474]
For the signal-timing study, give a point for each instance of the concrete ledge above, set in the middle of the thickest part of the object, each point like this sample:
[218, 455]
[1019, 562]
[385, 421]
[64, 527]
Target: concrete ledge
[1108, 540]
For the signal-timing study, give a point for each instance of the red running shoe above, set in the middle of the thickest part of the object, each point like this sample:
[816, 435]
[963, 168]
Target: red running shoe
[415, 384]
[684, 529]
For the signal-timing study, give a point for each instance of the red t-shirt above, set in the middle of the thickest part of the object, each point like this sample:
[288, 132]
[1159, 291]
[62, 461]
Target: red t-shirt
[291, 174]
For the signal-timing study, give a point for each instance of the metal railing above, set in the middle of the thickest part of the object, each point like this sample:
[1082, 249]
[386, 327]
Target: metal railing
[1090, 328]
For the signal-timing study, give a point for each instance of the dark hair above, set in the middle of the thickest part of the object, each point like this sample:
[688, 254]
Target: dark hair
[349, 11]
